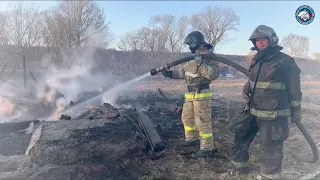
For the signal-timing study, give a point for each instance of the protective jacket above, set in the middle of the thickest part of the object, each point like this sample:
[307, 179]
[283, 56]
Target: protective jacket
[198, 74]
[196, 112]
[277, 92]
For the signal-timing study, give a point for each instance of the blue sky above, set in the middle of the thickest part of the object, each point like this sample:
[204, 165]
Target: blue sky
[127, 16]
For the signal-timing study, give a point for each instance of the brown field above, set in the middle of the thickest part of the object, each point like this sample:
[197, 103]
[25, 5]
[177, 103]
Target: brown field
[230, 101]
[95, 145]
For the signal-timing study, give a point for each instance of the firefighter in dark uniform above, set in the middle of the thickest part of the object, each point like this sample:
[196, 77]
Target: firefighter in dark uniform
[274, 94]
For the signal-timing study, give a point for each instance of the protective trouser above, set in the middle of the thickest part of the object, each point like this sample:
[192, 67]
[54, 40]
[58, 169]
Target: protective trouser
[273, 133]
[196, 119]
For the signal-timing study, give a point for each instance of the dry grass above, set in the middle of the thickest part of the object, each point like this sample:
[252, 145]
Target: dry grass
[230, 91]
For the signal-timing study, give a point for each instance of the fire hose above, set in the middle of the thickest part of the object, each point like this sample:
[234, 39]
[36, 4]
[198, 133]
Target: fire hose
[214, 57]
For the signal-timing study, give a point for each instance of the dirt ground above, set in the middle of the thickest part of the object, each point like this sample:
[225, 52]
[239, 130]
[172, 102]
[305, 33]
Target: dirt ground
[227, 102]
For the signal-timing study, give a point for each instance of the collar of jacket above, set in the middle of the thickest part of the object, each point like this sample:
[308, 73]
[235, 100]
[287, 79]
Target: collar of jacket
[266, 53]
[198, 58]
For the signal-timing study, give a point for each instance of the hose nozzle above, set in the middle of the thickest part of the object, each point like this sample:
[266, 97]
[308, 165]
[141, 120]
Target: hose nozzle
[156, 71]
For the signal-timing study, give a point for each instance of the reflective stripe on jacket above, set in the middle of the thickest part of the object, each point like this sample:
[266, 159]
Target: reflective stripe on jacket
[278, 91]
[196, 72]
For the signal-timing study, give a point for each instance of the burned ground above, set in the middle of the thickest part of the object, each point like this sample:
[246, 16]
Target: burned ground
[100, 148]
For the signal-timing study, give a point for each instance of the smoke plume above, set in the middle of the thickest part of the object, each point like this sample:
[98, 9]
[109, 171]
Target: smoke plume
[9, 109]
[72, 80]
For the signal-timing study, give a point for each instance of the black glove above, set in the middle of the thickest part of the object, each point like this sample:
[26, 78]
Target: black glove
[246, 108]
[296, 116]
[167, 73]
[246, 94]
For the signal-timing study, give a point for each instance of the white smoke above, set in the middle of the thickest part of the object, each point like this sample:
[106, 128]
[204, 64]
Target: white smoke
[73, 78]
[8, 108]
[66, 82]
[67, 78]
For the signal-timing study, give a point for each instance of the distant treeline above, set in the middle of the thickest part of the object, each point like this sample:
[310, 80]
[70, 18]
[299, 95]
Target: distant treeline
[105, 60]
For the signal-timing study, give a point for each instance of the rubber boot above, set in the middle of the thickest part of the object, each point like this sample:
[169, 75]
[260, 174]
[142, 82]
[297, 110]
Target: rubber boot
[201, 153]
[187, 147]
[245, 169]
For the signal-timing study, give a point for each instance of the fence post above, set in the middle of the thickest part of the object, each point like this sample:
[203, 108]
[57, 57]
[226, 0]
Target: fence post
[24, 71]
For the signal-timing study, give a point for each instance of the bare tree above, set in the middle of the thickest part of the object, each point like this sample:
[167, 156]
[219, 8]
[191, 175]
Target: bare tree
[4, 36]
[168, 32]
[174, 33]
[180, 34]
[158, 29]
[23, 24]
[151, 42]
[22, 29]
[142, 40]
[215, 22]
[161, 40]
[296, 45]
[165, 33]
[74, 23]
[131, 42]
[56, 31]
[4, 41]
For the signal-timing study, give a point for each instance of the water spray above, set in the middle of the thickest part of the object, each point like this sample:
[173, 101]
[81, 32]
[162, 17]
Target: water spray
[111, 95]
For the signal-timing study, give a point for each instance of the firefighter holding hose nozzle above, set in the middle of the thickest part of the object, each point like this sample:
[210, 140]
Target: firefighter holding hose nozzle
[196, 113]
[273, 94]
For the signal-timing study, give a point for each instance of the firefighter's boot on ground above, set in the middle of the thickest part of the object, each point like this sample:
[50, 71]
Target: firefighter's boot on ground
[243, 168]
[188, 147]
[202, 153]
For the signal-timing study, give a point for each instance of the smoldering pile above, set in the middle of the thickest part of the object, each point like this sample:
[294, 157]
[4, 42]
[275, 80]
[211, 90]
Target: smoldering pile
[94, 133]
[106, 136]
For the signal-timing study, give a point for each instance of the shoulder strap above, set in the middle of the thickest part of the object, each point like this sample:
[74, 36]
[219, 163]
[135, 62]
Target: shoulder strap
[256, 80]
[255, 83]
